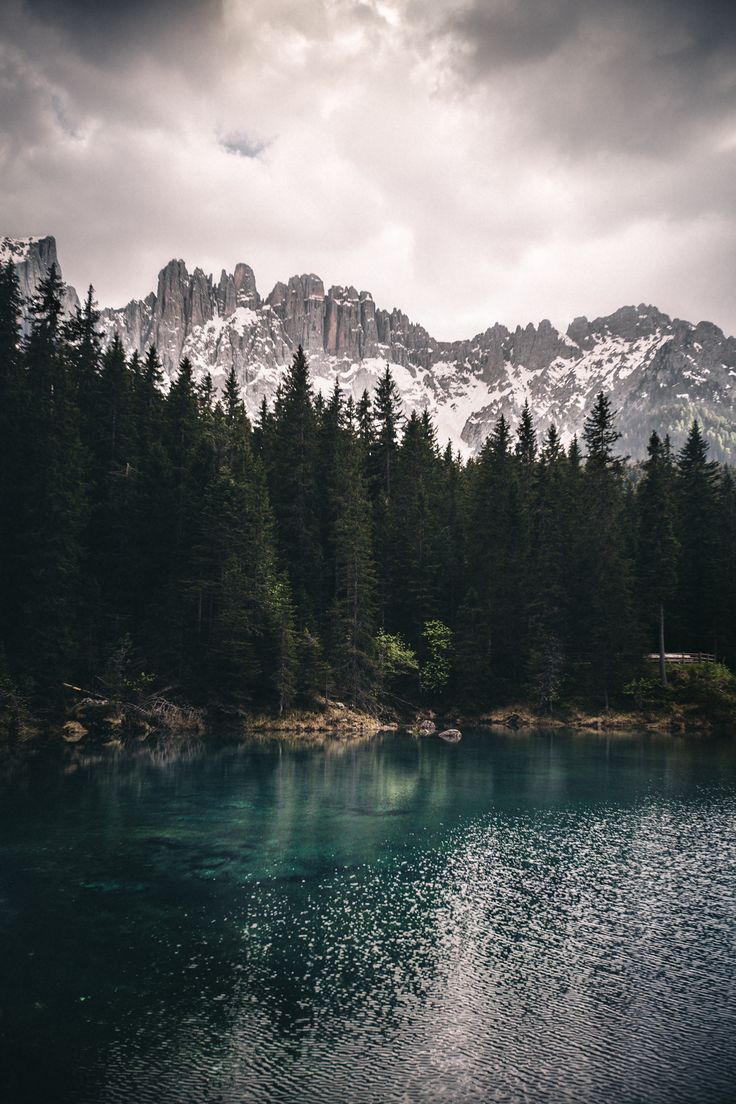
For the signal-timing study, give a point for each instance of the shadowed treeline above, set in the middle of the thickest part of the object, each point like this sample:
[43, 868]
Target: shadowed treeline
[157, 540]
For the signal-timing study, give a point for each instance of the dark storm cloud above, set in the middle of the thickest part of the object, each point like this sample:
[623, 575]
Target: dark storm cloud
[505, 33]
[604, 71]
[98, 29]
[468, 160]
[512, 31]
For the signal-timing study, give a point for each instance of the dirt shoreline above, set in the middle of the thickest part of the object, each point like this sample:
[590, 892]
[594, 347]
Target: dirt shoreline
[333, 723]
[521, 717]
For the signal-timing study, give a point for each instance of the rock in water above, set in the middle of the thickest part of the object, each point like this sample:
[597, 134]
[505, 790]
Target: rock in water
[451, 735]
[426, 728]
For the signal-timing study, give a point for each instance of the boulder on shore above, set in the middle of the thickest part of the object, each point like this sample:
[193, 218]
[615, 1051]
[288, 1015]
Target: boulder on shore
[451, 735]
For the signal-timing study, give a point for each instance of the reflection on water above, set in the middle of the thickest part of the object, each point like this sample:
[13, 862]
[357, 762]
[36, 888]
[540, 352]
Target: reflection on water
[536, 917]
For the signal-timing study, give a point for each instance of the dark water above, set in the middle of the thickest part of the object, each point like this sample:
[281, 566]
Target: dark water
[514, 918]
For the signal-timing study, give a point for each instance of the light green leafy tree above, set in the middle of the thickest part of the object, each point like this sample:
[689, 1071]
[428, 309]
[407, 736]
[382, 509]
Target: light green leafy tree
[394, 656]
[435, 673]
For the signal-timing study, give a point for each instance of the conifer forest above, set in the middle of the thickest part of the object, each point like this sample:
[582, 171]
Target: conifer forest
[154, 537]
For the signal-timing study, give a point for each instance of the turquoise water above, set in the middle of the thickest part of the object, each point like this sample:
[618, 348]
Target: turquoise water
[530, 917]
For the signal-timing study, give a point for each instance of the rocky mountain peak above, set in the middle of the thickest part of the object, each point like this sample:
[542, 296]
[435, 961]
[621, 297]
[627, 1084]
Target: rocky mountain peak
[660, 372]
[32, 257]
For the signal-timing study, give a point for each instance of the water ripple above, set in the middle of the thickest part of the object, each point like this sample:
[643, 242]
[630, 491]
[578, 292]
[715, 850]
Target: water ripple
[521, 921]
[553, 957]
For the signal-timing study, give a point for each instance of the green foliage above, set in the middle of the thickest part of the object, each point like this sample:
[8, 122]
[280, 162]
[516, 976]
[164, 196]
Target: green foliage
[435, 673]
[708, 690]
[697, 691]
[394, 655]
[646, 692]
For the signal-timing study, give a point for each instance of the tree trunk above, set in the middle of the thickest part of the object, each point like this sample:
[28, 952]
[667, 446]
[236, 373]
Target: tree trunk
[662, 660]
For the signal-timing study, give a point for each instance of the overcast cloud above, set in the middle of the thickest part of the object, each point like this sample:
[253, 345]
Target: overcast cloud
[467, 161]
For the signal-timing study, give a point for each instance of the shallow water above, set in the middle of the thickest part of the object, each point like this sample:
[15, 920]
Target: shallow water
[531, 917]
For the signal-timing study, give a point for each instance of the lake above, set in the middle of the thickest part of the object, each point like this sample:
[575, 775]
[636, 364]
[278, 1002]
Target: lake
[541, 917]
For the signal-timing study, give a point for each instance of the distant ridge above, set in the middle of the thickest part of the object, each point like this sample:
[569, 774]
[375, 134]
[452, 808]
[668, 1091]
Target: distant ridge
[660, 372]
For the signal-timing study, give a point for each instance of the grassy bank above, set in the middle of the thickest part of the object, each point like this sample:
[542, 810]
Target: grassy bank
[700, 698]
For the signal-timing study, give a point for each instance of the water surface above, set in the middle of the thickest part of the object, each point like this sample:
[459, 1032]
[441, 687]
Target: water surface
[530, 917]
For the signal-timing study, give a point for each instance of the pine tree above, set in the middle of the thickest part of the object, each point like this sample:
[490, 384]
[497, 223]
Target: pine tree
[449, 535]
[12, 460]
[414, 522]
[600, 435]
[364, 416]
[84, 342]
[383, 455]
[292, 477]
[607, 642]
[549, 565]
[352, 614]
[526, 435]
[184, 465]
[498, 559]
[697, 503]
[657, 545]
[387, 417]
[52, 521]
[726, 567]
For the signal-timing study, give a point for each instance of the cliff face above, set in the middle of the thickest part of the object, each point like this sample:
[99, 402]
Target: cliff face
[33, 258]
[660, 372]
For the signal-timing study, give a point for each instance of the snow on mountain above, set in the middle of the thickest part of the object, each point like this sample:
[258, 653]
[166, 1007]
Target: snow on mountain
[16, 249]
[32, 258]
[660, 372]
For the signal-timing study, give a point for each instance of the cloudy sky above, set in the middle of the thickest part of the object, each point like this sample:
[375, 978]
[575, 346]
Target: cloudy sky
[467, 160]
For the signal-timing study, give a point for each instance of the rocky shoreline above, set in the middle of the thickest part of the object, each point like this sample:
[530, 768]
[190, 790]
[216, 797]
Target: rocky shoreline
[109, 727]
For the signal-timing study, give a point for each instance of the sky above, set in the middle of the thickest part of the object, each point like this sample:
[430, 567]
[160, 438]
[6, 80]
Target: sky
[469, 161]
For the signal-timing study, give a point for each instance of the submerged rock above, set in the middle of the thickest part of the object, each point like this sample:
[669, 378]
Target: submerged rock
[451, 735]
[74, 731]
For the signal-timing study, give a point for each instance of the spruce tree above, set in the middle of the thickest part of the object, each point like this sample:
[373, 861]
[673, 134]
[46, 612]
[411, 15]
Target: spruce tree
[549, 566]
[657, 547]
[415, 523]
[52, 521]
[498, 560]
[352, 614]
[696, 489]
[387, 419]
[526, 437]
[608, 643]
[84, 342]
[293, 484]
[726, 567]
[13, 412]
[600, 435]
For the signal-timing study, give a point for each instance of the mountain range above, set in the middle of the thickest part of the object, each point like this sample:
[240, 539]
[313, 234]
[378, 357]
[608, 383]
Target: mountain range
[660, 372]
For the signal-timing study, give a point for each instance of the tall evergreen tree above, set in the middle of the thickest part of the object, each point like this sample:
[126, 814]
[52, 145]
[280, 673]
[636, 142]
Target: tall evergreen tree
[549, 565]
[526, 437]
[697, 503]
[387, 418]
[13, 413]
[607, 637]
[51, 525]
[498, 562]
[657, 545]
[351, 630]
[415, 522]
[293, 489]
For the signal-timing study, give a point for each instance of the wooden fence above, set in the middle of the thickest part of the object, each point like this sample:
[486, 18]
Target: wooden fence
[683, 657]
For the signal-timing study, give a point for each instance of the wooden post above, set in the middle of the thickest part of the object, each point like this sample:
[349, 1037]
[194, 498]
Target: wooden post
[662, 659]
